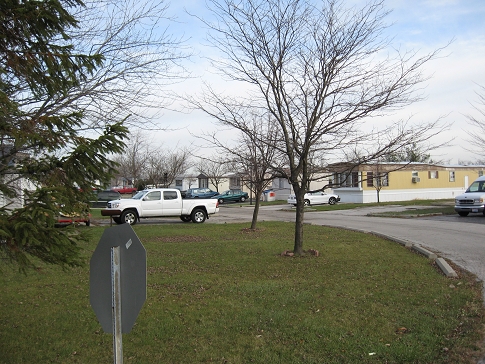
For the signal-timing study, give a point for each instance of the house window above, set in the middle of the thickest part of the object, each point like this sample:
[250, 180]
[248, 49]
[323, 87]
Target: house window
[234, 182]
[347, 179]
[415, 174]
[281, 182]
[336, 180]
[381, 180]
[432, 174]
[370, 179]
[355, 179]
[480, 173]
[203, 182]
[178, 182]
[452, 176]
[385, 180]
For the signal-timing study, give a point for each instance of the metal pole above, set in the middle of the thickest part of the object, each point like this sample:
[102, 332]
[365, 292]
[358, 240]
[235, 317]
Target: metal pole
[116, 304]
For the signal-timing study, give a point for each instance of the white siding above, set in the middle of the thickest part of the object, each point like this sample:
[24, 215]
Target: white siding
[357, 195]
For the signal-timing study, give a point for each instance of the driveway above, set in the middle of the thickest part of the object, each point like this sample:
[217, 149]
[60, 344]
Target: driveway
[459, 239]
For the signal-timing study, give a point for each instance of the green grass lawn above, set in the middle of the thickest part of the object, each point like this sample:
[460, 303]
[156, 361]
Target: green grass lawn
[223, 294]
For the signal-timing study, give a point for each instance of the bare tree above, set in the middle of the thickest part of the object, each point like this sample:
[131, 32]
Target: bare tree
[162, 167]
[154, 171]
[141, 58]
[132, 162]
[477, 138]
[215, 168]
[320, 70]
[256, 160]
[378, 178]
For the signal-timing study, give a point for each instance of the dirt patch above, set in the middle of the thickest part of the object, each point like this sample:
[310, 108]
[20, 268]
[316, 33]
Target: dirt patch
[289, 253]
[180, 239]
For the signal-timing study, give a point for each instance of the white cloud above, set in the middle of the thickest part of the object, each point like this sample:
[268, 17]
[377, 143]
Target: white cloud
[418, 25]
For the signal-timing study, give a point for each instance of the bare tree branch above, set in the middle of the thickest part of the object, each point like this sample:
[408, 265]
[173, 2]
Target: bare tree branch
[321, 72]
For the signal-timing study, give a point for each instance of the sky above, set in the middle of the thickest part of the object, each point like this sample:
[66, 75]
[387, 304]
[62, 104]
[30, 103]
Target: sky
[416, 25]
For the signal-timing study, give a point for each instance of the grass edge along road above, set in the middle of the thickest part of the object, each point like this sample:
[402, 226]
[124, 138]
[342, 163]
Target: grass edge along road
[223, 294]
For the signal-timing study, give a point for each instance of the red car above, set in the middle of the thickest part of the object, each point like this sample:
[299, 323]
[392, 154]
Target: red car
[64, 219]
[125, 190]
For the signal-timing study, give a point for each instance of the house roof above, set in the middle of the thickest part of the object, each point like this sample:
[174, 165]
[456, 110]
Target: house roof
[347, 167]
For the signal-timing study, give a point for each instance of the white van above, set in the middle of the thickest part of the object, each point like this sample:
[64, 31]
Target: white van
[473, 200]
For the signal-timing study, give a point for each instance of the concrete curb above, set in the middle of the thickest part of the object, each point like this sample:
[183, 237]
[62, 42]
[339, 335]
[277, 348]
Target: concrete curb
[403, 242]
[445, 267]
[425, 252]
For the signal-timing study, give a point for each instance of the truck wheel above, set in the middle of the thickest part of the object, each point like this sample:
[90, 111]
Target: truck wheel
[332, 201]
[198, 216]
[128, 217]
[462, 213]
[243, 199]
[185, 218]
[306, 203]
[221, 201]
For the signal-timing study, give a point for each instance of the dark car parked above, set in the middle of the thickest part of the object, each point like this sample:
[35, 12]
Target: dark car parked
[200, 193]
[232, 196]
[102, 197]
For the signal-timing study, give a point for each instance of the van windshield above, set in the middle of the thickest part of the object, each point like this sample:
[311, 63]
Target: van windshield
[477, 186]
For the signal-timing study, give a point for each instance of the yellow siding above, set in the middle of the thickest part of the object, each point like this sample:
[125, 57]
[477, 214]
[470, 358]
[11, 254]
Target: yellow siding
[402, 179]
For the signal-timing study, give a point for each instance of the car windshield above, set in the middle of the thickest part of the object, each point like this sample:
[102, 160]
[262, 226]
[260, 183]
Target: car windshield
[139, 195]
[477, 186]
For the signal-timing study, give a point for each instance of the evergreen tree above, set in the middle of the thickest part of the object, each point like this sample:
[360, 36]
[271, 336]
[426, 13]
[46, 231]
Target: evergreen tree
[412, 153]
[45, 146]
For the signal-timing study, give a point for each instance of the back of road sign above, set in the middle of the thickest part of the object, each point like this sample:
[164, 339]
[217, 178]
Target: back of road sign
[133, 268]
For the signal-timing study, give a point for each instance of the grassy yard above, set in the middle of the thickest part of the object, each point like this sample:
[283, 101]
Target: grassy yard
[223, 294]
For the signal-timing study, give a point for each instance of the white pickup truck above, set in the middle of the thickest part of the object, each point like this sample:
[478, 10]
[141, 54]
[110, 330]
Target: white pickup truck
[160, 202]
[473, 200]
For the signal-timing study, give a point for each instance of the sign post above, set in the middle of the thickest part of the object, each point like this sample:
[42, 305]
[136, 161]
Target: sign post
[116, 304]
[117, 282]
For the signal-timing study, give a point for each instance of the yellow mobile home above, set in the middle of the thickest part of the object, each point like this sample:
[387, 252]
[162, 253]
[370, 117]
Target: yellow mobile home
[401, 181]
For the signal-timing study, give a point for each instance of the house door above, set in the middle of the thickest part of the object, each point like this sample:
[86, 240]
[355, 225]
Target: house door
[466, 182]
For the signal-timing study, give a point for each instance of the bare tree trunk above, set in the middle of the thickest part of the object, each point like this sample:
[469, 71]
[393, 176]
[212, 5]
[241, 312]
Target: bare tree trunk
[256, 210]
[300, 213]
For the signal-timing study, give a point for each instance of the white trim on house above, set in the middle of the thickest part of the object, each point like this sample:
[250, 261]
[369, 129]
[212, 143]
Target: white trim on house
[358, 195]
[20, 185]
